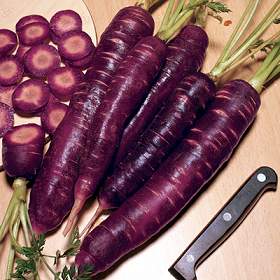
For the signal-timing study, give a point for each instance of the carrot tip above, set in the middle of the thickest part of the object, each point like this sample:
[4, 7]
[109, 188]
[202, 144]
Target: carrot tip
[72, 219]
[92, 221]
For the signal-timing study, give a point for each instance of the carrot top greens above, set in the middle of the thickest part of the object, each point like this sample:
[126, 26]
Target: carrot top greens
[269, 69]
[178, 15]
[234, 54]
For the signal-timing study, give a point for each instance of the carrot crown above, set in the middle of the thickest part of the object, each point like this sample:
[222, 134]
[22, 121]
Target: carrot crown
[234, 55]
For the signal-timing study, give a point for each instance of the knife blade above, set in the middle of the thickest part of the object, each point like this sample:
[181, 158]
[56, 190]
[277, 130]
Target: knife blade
[224, 223]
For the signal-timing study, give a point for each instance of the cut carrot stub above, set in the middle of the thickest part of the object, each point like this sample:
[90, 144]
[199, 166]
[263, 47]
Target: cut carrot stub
[65, 21]
[6, 118]
[75, 45]
[41, 60]
[83, 63]
[52, 116]
[6, 95]
[11, 71]
[64, 81]
[23, 150]
[8, 42]
[34, 34]
[30, 97]
[21, 51]
[30, 19]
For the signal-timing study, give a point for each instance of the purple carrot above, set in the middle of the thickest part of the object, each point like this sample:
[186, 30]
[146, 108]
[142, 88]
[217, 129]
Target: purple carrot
[208, 145]
[52, 196]
[167, 129]
[129, 87]
[127, 90]
[185, 55]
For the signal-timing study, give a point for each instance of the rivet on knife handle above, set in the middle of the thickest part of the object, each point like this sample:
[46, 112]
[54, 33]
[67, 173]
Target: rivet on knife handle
[224, 223]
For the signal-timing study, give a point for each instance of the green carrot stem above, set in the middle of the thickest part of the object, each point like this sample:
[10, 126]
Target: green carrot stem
[239, 30]
[20, 188]
[48, 266]
[201, 14]
[147, 4]
[269, 65]
[14, 218]
[169, 34]
[219, 69]
[24, 225]
[274, 74]
[6, 219]
[173, 22]
[179, 8]
[167, 15]
[250, 54]
[11, 257]
[270, 16]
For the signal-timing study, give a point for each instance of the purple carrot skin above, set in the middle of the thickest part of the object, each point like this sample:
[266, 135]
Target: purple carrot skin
[75, 45]
[11, 71]
[6, 118]
[64, 81]
[8, 42]
[41, 60]
[23, 150]
[6, 94]
[21, 51]
[127, 90]
[168, 128]
[65, 21]
[52, 195]
[35, 33]
[30, 19]
[208, 145]
[30, 97]
[185, 55]
[52, 116]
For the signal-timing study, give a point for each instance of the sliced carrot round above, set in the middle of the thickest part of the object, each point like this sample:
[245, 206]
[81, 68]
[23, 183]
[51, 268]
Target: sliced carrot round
[64, 81]
[65, 21]
[11, 71]
[34, 34]
[30, 97]
[8, 42]
[41, 60]
[75, 45]
[52, 116]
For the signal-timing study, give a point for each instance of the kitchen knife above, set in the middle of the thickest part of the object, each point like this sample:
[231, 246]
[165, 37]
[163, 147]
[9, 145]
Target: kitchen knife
[224, 223]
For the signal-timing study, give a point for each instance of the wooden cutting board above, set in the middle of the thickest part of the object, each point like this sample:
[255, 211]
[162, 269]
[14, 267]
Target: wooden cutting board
[253, 252]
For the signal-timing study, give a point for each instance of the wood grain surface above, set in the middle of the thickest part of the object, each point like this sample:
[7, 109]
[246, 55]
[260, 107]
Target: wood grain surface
[253, 251]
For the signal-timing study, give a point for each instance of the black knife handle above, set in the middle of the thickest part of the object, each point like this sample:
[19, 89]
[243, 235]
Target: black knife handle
[224, 223]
